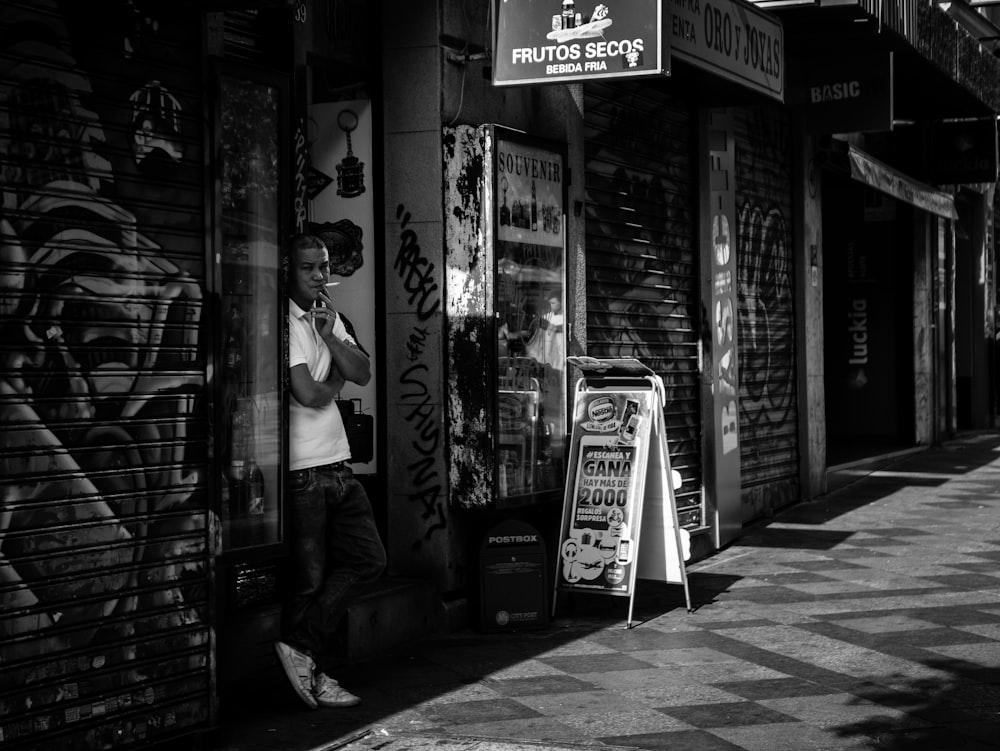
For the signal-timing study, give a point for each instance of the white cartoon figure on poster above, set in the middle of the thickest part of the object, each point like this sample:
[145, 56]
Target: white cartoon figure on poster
[588, 565]
[570, 550]
[617, 527]
[587, 552]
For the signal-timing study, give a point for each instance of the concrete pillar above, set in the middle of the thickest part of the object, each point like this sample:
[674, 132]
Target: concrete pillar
[923, 334]
[420, 530]
[809, 319]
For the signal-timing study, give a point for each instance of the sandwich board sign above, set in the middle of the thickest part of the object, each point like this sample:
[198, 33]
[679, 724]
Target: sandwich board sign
[619, 515]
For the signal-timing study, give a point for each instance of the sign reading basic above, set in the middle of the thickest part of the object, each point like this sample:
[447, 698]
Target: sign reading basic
[619, 519]
[852, 94]
[550, 41]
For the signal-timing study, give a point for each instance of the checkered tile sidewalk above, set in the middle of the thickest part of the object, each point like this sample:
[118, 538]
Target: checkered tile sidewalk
[868, 619]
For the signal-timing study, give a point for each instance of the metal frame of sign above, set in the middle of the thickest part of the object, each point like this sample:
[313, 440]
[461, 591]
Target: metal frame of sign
[619, 516]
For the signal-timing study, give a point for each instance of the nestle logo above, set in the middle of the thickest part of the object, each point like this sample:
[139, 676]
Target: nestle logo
[508, 539]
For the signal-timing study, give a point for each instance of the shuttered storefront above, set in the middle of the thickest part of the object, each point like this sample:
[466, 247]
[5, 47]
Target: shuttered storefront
[641, 254]
[769, 458]
[104, 549]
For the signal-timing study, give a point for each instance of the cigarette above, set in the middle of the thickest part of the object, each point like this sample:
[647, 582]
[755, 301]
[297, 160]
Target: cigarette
[332, 284]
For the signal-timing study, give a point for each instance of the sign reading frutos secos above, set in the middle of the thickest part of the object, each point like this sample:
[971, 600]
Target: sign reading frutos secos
[549, 41]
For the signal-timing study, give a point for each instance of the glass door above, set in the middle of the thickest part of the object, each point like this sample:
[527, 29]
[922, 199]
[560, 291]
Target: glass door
[252, 304]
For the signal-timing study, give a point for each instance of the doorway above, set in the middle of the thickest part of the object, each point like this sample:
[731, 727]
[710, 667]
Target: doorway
[973, 344]
[868, 309]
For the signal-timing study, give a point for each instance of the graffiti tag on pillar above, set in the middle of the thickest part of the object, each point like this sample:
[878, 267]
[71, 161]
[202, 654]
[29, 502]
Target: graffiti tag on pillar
[420, 413]
[424, 478]
[415, 271]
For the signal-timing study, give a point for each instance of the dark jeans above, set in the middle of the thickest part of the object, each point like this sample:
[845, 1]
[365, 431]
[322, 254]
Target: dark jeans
[335, 549]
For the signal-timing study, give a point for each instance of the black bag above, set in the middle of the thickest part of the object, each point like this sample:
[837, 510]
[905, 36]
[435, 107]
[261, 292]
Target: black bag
[360, 429]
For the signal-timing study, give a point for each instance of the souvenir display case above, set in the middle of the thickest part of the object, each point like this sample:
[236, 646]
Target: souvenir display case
[529, 305]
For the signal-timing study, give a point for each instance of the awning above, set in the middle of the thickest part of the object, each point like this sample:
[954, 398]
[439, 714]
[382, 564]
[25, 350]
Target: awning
[879, 175]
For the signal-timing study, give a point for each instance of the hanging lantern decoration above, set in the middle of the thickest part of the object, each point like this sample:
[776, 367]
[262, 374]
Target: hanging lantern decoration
[350, 171]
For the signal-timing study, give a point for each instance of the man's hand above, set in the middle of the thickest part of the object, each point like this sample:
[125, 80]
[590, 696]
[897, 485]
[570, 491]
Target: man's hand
[351, 362]
[324, 316]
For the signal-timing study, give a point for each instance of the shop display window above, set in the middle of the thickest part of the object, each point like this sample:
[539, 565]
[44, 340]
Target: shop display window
[530, 294]
[247, 235]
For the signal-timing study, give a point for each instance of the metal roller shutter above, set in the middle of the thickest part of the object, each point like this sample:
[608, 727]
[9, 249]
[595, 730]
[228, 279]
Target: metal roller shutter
[769, 455]
[104, 522]
[642, 287]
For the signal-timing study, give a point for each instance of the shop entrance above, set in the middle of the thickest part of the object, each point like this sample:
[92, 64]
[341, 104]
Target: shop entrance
[868, 310]
[974, 366]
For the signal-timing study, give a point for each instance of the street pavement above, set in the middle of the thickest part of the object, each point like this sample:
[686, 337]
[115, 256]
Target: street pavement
[866, 619]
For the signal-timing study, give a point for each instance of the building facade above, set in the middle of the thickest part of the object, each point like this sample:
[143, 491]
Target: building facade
[809, 270]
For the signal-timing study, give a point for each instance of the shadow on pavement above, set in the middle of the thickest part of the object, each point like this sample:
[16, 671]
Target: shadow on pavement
[945, 694]
[956, 709]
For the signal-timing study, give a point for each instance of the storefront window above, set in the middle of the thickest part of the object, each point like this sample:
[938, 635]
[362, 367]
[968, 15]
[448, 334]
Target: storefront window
[531, 321]
[251, 313]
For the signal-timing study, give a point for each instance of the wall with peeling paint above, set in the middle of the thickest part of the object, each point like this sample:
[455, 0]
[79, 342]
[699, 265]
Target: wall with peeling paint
[467, 196]
[438, 274]
[769, 401]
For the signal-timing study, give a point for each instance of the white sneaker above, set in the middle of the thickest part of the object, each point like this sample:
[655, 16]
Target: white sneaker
[299, 669]
[328, 693]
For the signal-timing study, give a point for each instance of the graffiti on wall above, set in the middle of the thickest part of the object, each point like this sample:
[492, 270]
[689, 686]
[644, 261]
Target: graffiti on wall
[416, 273]
[101, 540]
[156, 122]
[767, 332]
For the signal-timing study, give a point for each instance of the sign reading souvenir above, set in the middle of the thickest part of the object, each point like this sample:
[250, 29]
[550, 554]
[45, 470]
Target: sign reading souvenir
[529, 194]
[732, 39]
[618, 462]
[549, 41]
